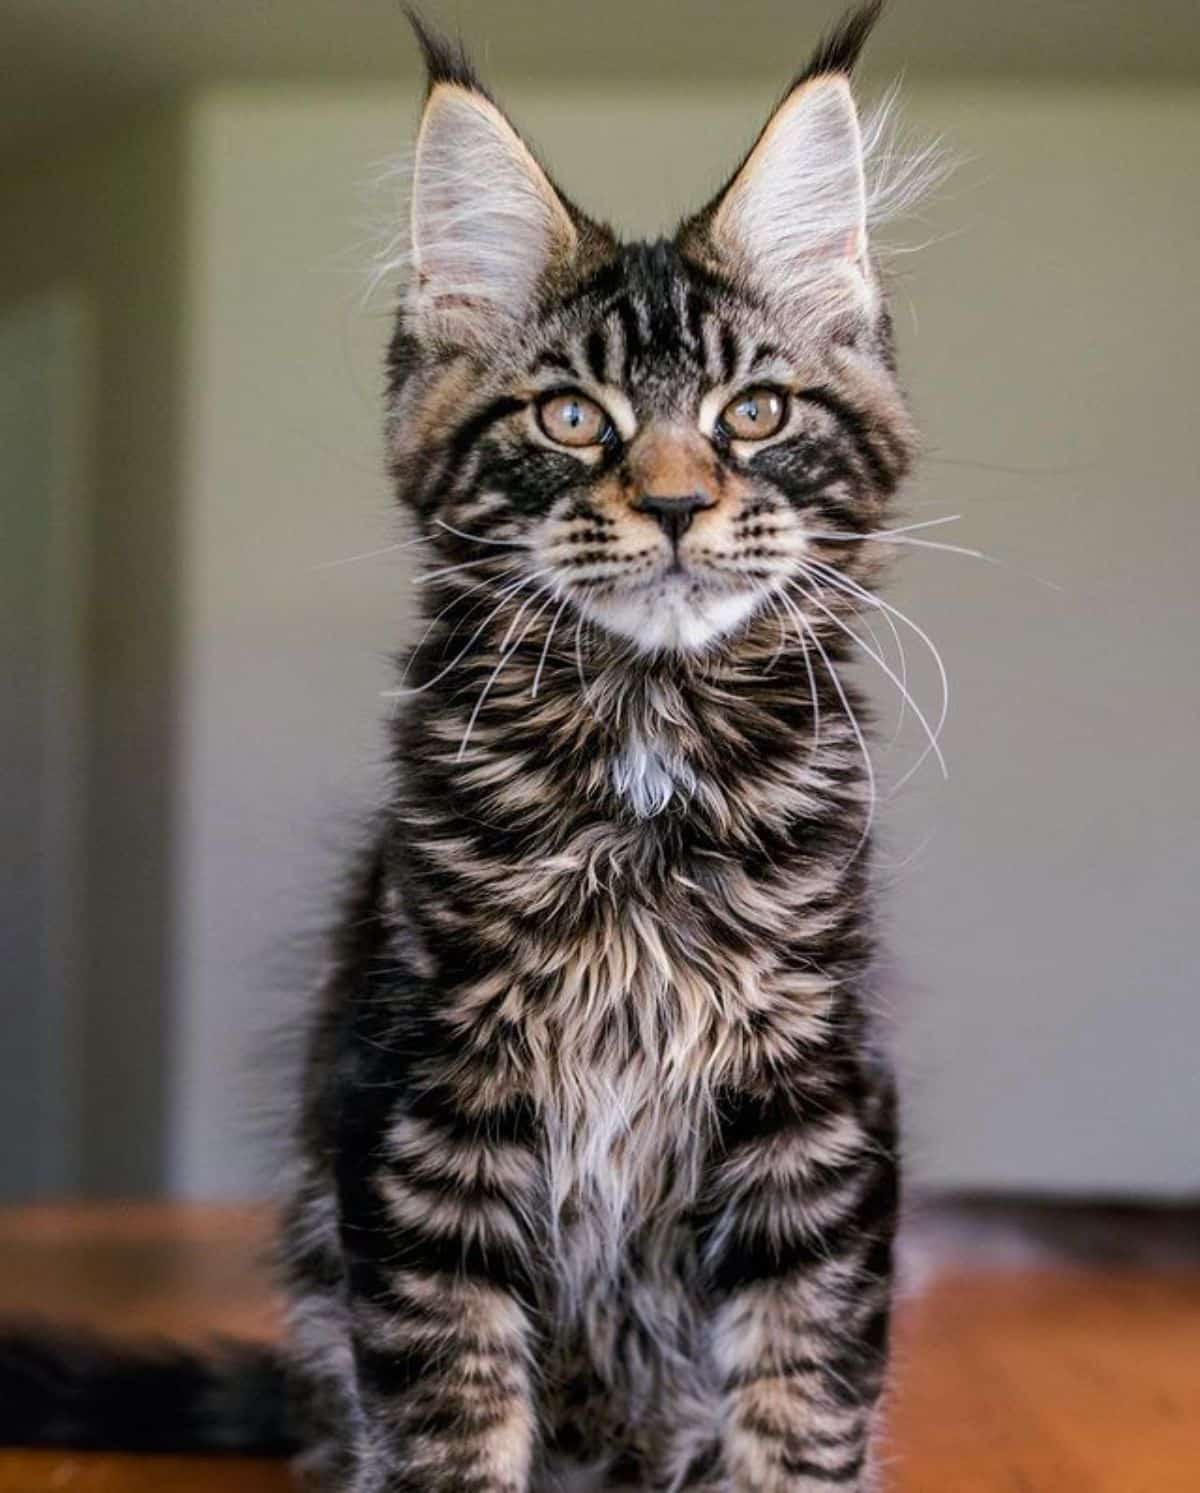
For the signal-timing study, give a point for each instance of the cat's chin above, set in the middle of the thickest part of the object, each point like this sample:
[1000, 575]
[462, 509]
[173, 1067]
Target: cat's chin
[675, 615]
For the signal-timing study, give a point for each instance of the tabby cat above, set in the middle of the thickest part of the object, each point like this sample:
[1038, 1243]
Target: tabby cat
[598, 1166]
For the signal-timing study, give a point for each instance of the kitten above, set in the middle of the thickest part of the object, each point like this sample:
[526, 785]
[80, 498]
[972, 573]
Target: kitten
[598, 1175]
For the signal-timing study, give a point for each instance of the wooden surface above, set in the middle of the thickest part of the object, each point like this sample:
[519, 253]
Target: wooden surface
[1066, 1381]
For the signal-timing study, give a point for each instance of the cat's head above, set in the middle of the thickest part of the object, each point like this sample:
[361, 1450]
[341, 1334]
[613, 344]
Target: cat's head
[651, 434]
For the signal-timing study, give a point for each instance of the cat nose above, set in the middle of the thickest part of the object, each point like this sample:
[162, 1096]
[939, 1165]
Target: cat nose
[673, 515]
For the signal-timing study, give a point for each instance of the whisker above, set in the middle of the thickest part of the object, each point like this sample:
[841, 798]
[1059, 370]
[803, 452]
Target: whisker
[895, 678]
[901, 655]
[387, 549]
[813, 692]
[505, 654]
[519, 544]
[585, 687]
[579, 657]
[434, 575]
[869, 766]
[537, 678]
[933, 544]
[901, 536]
[843, 582]
[510, 590]
[512, 625]
[453, 602]
[926, 523]
[772, 600]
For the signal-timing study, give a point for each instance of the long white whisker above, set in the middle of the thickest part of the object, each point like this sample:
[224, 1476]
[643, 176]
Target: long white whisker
[869, 766]
[584, 685]
[519, 544]
[926, 523]
[836, 578]
[537, 678]
[537, 574]
[772, 600]
[902, 659]
[900, 536]
[863, 621]
[853, 588]
[878, 658]
[927, 544]
[387, 549]
[903, 662]
[434, 575]
[510, 590]
[505, 654]
[812, 677]
[433, 622]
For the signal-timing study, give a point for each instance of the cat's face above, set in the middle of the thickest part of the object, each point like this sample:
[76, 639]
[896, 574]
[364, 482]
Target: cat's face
[652, 435]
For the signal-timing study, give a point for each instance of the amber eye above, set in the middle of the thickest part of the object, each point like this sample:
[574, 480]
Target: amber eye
[755, 414]
[572, 419]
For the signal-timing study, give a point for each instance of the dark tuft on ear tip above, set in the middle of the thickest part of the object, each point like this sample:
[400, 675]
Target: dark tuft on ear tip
[446, 60]
[839, 50]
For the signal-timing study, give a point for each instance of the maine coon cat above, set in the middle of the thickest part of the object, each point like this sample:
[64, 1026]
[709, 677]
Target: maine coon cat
[597, 1175]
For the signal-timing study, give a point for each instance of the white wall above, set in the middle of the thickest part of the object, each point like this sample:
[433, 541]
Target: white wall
[1041, 908]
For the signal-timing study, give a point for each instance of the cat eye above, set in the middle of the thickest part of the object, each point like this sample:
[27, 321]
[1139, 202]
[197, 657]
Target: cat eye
[754, 414]
[570, 418]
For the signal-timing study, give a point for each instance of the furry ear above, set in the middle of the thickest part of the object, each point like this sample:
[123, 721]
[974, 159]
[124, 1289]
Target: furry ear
[793, 220]
[487, 224]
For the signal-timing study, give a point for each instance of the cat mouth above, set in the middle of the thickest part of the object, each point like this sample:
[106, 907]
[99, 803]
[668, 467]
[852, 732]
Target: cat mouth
[681, 608]
[679, 574]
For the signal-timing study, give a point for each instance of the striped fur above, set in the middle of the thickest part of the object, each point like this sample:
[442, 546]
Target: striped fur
[600, 1172]
[597, 1171]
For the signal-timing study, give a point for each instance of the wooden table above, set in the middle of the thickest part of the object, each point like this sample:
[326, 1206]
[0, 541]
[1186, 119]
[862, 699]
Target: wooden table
[1007, 1381]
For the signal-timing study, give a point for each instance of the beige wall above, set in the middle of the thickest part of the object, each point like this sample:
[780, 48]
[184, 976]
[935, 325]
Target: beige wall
[97, 229]
[1048, 929]
[1041, 904]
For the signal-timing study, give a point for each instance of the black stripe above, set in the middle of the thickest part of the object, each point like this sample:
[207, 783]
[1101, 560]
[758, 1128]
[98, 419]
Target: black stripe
[729, 353]
[596, 350]
[607, 280]
[466, 435]
[696, 310]
[554, 358]
[464, 438]
[754, 1253]
[844, 1472]
[511, 1123]
[498, 1262]
[631, 335]
[856, 427]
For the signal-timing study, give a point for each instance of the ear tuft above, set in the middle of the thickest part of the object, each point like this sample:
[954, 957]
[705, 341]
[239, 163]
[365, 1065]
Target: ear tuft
[446, 60]
[792, 221]
[839, 51]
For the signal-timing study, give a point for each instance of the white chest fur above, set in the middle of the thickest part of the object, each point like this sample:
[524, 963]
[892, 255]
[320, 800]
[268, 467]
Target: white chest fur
[648, 776]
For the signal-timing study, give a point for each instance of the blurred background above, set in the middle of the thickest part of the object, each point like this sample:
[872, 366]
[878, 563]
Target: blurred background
[191, 195]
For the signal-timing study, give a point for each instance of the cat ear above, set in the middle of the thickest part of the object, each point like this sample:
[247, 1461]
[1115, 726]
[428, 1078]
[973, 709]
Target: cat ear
[487, 224]
[793, 220]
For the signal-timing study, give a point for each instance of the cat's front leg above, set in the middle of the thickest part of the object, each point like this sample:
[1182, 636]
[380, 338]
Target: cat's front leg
[798, 1244]
[435, 1234]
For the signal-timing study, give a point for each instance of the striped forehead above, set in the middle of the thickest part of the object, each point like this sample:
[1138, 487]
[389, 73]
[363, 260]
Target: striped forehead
[655, 325]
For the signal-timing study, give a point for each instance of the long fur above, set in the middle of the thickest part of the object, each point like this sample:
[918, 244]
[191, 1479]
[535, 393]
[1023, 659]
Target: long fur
[596, 1169]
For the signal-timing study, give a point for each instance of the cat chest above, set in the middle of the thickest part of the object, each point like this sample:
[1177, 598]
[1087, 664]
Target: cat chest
[623, 1166]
